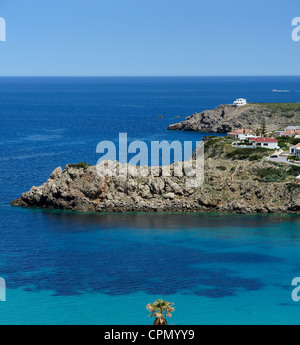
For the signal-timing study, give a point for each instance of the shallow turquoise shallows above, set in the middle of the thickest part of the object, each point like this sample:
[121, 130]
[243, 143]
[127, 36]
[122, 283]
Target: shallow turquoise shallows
[68, 268]
[104, 269]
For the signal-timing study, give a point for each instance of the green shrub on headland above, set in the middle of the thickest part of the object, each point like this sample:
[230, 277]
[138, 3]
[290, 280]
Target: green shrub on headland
[81, 165]
[255, 158]
[271, 175]
[293, 170]
[279, 173]
[285, 109]
[247, 153]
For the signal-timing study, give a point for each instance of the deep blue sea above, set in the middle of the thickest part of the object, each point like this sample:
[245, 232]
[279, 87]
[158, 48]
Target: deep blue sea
[68, 268]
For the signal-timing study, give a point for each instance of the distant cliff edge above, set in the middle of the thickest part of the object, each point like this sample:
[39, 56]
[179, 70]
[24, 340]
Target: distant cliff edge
[225, 118]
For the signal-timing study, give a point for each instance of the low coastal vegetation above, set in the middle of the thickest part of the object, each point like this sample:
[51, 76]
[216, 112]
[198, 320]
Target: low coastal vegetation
[81, 165]
[285, 142]
[285, 109]
[271, 174]
[221, 147]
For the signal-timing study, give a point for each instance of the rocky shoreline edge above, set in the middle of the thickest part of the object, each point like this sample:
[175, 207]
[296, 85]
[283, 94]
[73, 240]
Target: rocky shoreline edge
[230, 186]
[226, 118]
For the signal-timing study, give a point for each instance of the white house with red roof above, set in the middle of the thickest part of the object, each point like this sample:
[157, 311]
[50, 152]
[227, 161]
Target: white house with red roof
[295, 150]
[267, 143]
[290, 132]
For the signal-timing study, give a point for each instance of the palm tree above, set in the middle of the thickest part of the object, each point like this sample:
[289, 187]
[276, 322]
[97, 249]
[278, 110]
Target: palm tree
[160, 309]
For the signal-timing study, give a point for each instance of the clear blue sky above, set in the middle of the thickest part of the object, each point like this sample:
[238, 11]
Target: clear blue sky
[149, 37]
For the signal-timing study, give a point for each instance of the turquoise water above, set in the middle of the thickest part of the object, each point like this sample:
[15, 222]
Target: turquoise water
[67, 268]
[96, 271]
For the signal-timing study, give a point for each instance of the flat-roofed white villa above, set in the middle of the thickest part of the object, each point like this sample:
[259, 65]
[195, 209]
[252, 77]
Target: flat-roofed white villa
[240, 102]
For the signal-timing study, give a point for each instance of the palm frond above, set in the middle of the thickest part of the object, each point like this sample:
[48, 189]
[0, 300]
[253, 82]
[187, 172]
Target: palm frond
[159, 307]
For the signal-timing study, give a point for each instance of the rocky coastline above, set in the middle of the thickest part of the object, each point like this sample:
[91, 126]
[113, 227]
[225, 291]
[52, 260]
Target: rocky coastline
[226, 118]
[231, 185]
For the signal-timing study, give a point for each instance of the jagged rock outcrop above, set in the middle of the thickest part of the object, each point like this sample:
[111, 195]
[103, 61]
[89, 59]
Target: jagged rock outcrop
[229, 186]
[226, 118]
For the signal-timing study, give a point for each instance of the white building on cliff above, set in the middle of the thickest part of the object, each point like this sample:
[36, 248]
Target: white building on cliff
[240, 102]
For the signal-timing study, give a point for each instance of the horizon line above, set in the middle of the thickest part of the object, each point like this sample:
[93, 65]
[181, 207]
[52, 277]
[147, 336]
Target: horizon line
[143, 76]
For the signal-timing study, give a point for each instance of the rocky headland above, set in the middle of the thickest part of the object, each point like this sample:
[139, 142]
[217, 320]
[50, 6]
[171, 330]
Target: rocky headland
[226, 118]
[235, 182]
